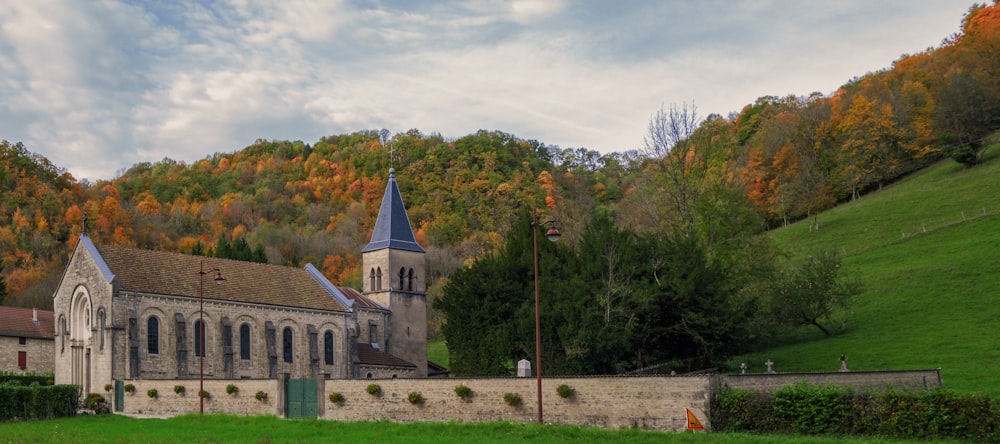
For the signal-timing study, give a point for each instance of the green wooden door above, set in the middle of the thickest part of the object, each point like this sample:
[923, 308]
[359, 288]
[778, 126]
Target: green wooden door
[301, 398]
[119, 396]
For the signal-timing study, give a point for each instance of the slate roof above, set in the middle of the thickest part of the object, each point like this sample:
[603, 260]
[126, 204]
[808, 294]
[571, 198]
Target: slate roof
[158, 272]
[17, 321]
[369, 356]
[392, 228]
[359, 299]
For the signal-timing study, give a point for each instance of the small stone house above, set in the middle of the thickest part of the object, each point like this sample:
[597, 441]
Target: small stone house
[127, 313]
[25, 340]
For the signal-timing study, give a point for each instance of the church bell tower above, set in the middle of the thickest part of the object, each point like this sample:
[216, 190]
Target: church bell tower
[395, 276]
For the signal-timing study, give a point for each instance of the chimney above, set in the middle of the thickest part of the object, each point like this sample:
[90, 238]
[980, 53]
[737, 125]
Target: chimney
[34, 314]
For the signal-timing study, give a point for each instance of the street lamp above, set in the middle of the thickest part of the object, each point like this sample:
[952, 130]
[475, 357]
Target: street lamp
[552, 234]
[201, 332]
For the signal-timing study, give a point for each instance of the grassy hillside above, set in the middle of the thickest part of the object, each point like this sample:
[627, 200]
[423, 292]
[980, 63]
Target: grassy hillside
[928, 250]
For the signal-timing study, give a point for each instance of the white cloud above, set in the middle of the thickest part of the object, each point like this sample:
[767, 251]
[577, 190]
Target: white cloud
[99, 86]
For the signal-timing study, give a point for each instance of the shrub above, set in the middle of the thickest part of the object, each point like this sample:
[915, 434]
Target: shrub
[130, 388]
[812, 409]
[565, 391]
[463, 392]
[97, 403]
[38, 401]
[374, 389]
[336, 398]
[231, 389]
[204, 394]
[261, 396]
[152, 393]
[26, 378]
[512, 399]
[415, 398]
[179, 389]
[108, 387]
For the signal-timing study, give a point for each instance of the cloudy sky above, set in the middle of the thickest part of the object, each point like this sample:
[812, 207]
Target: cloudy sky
[99, 85]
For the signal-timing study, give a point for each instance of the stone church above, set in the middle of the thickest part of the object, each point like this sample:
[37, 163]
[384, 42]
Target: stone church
[126, 313]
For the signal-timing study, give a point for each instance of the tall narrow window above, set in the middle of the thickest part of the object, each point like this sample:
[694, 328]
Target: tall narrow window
[153, 335]
[286, 344]
[409, 282]
[101, 319]
[371, 285]
[378, 278]
[22, 360]
[245, 341]
[199, 338]
[328, 347]
[402, 278]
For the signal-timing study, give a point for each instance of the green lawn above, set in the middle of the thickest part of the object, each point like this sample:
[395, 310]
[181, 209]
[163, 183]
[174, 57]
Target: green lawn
[927, 249]
[437, 352]
[190, 429]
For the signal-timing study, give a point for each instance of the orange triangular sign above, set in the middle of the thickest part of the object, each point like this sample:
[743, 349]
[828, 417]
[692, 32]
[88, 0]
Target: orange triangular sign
[693, 422]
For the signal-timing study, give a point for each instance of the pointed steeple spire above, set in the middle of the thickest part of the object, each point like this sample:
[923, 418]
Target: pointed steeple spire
[392, 228]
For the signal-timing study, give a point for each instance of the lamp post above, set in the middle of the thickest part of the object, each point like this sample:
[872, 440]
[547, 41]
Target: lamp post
[552, 234]
[201, 331]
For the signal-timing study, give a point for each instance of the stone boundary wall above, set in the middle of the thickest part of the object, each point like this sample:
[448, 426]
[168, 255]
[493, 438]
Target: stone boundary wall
[648, 402]
[901, 380]
[242, 402]
[658, 403]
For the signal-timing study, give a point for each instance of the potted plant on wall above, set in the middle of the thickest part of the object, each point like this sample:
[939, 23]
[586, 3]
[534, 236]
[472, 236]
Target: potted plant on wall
[337, 398]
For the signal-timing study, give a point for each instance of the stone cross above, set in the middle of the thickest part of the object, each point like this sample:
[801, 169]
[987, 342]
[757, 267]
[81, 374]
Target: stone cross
[843, 363]
[770, 366]
[743, 368]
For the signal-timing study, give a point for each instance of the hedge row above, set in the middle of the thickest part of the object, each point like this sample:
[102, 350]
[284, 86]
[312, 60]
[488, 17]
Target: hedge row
[37, 401]
[824, 410]
[26, 378]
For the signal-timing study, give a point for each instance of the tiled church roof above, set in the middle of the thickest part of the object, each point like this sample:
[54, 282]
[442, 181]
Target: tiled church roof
[392, 228]
[164, 273]
[369, 356]
[17, 321]
[359, 299]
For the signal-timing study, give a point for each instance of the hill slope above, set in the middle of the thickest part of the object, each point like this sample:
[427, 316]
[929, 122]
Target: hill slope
[926, 249]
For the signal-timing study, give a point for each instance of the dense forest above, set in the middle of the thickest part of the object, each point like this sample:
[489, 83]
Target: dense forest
[714, 183]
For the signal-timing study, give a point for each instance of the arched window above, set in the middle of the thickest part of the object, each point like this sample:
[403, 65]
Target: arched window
[245, 341]
[378, 278]
[402, 278]
[409, 281]
[153, 335]
[102, 323]
[371, 286]
[328, 347]
[286, 344]
[199, 338]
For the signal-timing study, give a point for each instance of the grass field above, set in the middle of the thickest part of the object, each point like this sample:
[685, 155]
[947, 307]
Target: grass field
[927, 249]
[191, 429]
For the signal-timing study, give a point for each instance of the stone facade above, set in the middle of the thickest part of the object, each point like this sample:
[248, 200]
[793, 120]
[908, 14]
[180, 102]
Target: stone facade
[167, 402]
[648, 402]
[658, 403]
[26, 340]
[37, 354]
[859, 380]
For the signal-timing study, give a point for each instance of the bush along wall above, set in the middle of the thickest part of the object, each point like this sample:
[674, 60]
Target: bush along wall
[824, 410]
[26, 378]
[37, 401]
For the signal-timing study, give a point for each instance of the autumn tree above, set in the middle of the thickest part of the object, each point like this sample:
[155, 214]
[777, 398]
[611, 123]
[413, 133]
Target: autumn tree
[968, 100]
[3, 286]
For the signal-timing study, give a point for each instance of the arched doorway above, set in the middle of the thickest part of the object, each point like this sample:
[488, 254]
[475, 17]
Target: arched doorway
[80, 337]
